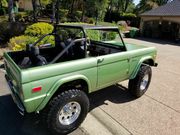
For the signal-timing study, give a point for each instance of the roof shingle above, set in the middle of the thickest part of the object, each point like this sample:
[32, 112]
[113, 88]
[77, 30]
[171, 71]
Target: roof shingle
[169, 9]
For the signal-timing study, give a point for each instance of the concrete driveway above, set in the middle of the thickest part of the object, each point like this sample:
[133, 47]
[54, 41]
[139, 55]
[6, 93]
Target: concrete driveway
[114, 110]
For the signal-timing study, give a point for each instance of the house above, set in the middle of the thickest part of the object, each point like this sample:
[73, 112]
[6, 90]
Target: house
[25, 4]
[162, 22]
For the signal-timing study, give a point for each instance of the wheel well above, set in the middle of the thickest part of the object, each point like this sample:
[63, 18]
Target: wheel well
[76, 84]
[149, 62]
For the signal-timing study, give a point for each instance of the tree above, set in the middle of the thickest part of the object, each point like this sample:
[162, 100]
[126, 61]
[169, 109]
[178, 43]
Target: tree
[53, 10]
[45, 2]
[10, 10]
[34, 5]
[3, 3]
[96, 8]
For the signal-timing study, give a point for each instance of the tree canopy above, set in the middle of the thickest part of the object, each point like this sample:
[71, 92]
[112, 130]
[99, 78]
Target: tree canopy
[97, 9]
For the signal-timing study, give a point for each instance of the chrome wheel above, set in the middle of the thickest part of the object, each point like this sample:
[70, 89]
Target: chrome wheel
[144, 82]
[69, 113]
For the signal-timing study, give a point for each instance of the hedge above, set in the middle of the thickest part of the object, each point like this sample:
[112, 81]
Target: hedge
[39, 29]
[32, 34]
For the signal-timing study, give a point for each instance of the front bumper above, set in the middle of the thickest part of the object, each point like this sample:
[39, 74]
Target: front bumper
[15, 96]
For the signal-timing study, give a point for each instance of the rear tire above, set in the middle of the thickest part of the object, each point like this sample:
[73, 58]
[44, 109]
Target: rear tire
[66, 111]
[139, 85]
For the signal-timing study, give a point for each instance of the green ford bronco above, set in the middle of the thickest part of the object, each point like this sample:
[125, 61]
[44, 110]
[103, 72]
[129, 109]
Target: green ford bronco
[54, 79]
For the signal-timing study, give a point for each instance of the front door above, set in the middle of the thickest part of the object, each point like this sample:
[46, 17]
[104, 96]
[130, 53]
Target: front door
[112, 68]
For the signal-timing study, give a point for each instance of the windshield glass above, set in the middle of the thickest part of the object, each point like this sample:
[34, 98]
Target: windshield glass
[69, 33]
[105, 36]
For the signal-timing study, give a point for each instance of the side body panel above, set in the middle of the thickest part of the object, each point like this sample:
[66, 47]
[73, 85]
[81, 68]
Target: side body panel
[98, 74]
[138, 55]
[112, 68]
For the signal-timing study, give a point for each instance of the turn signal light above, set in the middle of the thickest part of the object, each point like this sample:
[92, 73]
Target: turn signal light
[37, 89]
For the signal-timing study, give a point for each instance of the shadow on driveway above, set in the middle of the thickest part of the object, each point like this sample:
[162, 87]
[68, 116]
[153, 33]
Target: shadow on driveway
[12, 123]
[117, 94]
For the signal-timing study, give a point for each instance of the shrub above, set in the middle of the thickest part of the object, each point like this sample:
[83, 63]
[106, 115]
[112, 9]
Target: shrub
[78, 14]
[89, 20]
[94, 34]
[64, 19]
[129, 15]
[63, 12]
[107, 24]
[39, 29]
[31, 35]
[3, 11]
[20, 17]
[33, 32]
[9, 30]
[20, 42]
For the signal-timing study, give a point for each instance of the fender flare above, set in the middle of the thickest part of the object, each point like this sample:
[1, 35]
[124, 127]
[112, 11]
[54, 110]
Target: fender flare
[135, 72]
[56, 86]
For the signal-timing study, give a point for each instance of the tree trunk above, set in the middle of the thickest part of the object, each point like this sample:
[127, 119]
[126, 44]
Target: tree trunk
[72, 6]
[53, 10]
[1, 4]
[83, 11]
[126, 5]
[57, 12]
[34, 4]
[10, 12]
[96, 17]
[111, 4]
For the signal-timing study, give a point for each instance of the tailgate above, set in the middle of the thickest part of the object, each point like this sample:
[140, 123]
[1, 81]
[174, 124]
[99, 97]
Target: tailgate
[13, 72]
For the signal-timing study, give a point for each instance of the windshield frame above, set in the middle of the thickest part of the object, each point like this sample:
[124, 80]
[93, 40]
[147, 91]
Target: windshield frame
[86, 27]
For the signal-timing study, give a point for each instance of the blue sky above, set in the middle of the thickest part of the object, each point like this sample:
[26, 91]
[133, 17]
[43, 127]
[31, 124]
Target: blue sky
[136, 1]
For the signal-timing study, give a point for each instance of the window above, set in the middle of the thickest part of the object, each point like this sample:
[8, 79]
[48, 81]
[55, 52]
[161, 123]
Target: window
[105, 36]
[66, 33]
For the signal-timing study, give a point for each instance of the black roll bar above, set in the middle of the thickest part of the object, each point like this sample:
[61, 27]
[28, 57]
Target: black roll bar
[66, 49]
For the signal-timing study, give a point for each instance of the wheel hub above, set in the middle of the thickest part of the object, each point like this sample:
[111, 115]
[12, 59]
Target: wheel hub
[69, 113]
[144, 82]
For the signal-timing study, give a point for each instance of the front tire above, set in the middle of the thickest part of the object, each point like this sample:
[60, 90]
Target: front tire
[66, 111]
[139, 85]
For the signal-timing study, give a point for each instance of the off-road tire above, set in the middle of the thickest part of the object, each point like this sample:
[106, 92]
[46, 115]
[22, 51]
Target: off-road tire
[51, 112]
[134, 84]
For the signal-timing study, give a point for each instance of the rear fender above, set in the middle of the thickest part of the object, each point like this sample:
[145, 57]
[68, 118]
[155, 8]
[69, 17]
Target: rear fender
[57, 85]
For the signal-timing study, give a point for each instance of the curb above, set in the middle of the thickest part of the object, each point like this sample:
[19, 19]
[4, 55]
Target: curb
[99, 122]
